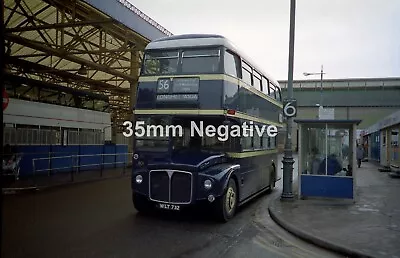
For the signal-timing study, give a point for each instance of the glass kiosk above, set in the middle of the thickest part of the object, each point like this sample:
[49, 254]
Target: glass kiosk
[327, 158]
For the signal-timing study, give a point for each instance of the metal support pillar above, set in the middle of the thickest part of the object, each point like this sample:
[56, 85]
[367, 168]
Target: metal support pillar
[135, 60]
[287, 192]
[2, 55]
[321, 89]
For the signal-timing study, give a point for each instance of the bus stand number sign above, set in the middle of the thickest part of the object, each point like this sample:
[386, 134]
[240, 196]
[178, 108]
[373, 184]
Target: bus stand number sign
[289, 107]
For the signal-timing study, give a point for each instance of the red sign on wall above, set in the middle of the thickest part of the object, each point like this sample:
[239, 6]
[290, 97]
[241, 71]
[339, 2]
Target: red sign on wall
[6, 99]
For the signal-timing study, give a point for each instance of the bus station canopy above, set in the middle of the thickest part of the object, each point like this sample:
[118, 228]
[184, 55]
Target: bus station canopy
[71, 43]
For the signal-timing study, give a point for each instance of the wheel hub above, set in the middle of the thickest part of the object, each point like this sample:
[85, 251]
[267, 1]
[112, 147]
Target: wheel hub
[230, 199]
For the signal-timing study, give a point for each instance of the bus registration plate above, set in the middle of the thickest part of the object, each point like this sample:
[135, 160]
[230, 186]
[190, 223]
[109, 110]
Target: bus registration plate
[165, 206]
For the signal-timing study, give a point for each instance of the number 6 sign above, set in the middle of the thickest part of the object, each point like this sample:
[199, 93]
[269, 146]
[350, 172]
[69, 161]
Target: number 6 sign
[289, 107]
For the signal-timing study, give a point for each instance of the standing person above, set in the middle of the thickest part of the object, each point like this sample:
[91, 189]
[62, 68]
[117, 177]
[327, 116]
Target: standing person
[359, 154]
[8, 154]
[345, 151]
[315, 161]
[9, 159]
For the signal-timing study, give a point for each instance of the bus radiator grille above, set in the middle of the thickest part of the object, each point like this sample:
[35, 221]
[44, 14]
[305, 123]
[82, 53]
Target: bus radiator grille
[159, 186]
[181, 187]
[171, 186]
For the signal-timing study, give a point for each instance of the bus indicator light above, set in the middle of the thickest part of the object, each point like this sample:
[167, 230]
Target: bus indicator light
[231, 112]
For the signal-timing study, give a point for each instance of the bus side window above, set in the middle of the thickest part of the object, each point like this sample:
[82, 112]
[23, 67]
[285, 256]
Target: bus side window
[265, 87]
[273, 142]
[272, 90]
[265, 141]
[247, 143]
[246, 73]
[257, 80]
[231, 64]
[278, 94]
[256, 139]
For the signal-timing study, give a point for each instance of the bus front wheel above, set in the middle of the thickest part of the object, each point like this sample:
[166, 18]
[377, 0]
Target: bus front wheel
[226, 205]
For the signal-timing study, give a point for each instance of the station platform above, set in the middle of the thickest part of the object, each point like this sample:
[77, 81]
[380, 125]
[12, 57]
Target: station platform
[369, 227]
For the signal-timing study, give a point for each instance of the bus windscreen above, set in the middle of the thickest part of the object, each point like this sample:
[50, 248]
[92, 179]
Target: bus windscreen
[161, 62]
[186, 61]
[200, 61]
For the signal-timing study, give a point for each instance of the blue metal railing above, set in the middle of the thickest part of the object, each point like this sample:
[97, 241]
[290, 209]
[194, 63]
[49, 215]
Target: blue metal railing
[76, 163]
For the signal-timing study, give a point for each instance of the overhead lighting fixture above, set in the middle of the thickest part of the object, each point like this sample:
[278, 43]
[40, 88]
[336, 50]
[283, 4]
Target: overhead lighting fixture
[82, 70]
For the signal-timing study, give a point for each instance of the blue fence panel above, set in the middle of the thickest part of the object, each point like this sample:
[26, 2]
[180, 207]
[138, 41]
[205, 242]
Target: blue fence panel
[33, 152]
[326, 186]
[109, 149]
[121, 149]
[86, 163]
[42, 166]
[60, 165]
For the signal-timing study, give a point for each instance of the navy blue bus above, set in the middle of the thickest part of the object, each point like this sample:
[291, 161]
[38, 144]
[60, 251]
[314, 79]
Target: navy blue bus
[191, 80]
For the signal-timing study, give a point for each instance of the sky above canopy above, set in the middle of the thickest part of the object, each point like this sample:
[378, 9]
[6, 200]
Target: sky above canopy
[351, 39]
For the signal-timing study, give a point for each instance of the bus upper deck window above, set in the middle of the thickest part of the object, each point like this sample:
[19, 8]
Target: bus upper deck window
[201, 61]
[231, 64]
[278, 94]
[160, 62]
[265, 87]
[257, 81]
[272, 91]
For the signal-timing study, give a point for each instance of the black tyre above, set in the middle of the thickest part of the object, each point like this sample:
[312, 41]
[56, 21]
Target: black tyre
[141, 204]
[227, 204]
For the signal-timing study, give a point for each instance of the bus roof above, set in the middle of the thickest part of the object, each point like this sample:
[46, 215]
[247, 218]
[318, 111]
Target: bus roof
[195, 40]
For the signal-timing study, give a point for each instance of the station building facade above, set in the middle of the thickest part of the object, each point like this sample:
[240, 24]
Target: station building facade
[365, 99]
[381, 140]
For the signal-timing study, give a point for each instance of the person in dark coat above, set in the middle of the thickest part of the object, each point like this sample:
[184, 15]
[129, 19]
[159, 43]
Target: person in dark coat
[333, 167]
[359, 154]
[7, 153]
[9, 158]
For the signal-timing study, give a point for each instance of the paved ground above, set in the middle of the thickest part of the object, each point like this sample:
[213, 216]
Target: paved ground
[371, 226]
[98, 220]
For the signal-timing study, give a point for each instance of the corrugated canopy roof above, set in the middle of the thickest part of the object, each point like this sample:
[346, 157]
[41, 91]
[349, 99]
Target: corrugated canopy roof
[70, 43]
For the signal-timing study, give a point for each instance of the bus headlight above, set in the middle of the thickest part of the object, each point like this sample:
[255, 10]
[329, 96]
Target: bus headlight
[139, 179]
[207, 184]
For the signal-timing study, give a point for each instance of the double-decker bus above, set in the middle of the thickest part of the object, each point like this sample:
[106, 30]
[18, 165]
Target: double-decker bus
[190, 82]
